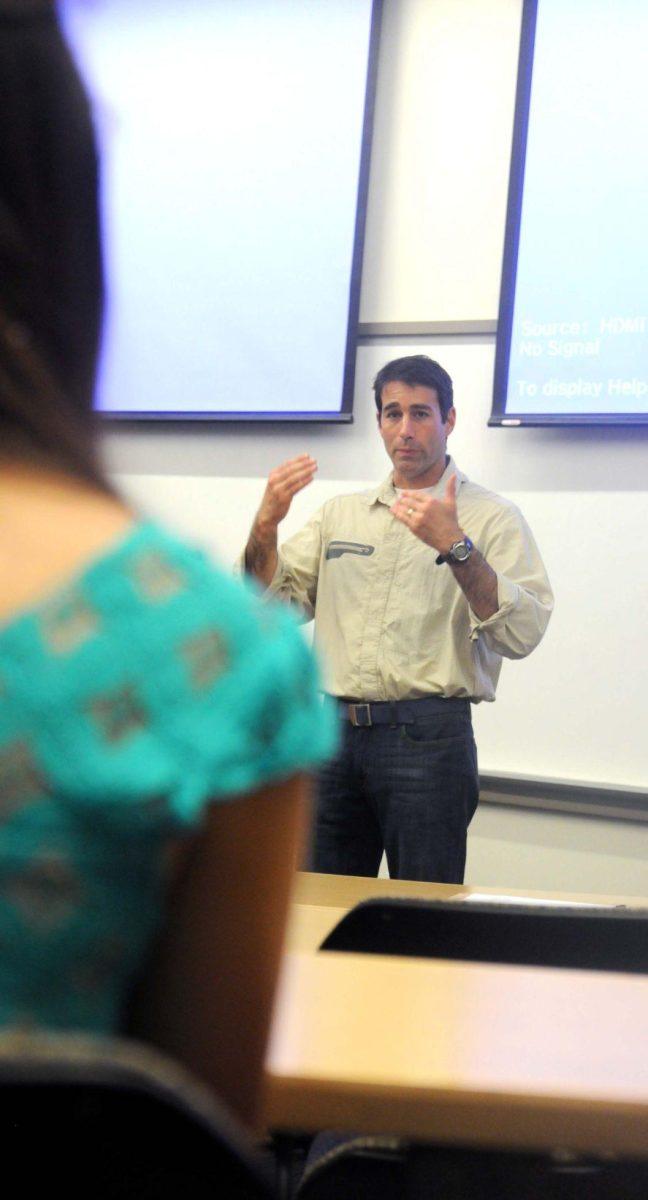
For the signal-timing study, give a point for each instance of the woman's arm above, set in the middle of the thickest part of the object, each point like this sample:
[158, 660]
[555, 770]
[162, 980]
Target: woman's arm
[207, 994]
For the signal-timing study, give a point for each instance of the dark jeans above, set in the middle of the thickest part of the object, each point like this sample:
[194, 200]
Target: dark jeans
[409, 789]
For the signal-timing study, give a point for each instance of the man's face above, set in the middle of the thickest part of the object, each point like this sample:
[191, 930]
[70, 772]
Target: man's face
[414, 434]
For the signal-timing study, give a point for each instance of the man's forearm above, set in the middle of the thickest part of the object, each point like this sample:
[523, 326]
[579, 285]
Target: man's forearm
[478, 583]
[261, 553]
[284, 482]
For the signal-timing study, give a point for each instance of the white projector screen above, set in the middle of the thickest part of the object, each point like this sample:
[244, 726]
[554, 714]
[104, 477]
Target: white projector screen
[572, 345]
[234, 138]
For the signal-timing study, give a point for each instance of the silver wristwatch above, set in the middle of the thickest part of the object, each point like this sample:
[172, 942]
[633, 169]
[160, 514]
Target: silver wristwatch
[458, 553]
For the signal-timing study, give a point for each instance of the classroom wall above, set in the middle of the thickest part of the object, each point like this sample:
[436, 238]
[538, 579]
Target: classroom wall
[435, 224]
[514, 848]
[439, 178]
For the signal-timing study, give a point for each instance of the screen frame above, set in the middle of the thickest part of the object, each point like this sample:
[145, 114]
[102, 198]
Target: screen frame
[501, 416]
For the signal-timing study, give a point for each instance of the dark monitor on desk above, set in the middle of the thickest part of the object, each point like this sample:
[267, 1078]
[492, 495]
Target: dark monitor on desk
[590, 938]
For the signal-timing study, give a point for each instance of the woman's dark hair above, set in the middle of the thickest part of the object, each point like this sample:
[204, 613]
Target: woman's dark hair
[51, 285]
[416, 370]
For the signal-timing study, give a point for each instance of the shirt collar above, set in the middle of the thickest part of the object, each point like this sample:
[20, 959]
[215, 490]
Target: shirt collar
[386, 493]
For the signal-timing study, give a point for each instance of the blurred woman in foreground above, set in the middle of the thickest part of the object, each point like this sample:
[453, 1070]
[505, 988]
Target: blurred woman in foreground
[153, 717]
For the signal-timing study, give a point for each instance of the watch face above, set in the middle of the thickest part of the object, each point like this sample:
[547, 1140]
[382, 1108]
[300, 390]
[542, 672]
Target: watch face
[461, 551]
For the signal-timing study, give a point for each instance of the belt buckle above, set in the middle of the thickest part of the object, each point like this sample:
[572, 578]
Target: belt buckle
[354, 713]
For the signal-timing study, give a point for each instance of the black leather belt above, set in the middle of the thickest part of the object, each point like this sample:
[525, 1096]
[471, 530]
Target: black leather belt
[397, 712]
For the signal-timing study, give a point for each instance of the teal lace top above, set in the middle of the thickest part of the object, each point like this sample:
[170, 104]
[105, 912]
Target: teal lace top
[148, 687]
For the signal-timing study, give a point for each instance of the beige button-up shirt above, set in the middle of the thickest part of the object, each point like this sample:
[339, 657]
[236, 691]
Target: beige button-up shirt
[392, 625]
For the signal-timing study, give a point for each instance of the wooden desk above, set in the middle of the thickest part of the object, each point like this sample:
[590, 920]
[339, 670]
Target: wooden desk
[342, 891]
[488, 1055]
[309, 924]
[320, 901]
[457, 1052]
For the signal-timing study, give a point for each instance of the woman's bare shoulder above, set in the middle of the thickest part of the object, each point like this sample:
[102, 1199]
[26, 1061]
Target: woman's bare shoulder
[51, 525]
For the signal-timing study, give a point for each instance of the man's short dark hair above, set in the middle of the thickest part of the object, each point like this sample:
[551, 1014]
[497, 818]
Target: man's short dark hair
[416, 370]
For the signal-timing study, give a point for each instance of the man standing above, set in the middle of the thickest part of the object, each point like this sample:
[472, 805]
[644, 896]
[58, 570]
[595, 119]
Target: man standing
[418, 588]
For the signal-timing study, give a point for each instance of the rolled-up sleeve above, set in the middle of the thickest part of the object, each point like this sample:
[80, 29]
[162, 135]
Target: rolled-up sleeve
[295, 579]
[525, 598]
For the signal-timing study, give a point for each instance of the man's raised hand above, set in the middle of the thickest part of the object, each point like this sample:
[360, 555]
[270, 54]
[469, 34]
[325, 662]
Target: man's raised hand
[284, 483]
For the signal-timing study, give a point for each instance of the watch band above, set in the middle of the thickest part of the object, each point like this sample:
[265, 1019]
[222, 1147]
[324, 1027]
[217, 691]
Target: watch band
[467, 548]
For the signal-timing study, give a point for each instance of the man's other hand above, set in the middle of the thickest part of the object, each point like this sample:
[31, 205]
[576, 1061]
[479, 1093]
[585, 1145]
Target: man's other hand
[432, 520]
